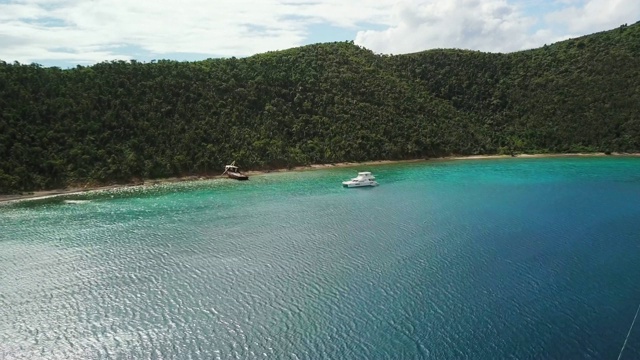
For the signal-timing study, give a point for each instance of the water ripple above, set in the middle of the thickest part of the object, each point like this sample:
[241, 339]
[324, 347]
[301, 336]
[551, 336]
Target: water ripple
[449, 260]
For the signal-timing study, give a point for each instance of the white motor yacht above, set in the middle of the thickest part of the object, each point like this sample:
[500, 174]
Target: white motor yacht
[363, 179]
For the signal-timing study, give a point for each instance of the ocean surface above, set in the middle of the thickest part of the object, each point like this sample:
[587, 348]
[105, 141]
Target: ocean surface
[473, 259]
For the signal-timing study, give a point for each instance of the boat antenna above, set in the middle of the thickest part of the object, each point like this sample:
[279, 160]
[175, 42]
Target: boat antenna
[629, 333]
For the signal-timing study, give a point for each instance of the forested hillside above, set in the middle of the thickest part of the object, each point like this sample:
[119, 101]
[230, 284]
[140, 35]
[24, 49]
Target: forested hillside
[118, 121]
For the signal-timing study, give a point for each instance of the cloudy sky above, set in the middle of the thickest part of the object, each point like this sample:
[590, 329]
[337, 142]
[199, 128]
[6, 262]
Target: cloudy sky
[69, 32]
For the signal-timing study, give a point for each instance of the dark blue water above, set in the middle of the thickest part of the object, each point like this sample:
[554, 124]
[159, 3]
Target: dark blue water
[487, 259]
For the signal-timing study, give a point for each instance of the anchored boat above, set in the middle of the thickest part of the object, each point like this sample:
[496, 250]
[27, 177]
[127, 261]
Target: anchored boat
[233, 172]
[364, 178]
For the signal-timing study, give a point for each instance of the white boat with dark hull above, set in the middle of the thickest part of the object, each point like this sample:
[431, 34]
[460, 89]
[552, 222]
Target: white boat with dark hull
[233, 172]
[364, 178]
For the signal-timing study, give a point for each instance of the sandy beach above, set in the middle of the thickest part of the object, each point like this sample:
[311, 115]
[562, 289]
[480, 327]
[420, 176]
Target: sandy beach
[82, 189]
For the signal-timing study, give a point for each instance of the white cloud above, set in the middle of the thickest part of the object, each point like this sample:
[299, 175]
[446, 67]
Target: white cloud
[489, 25]
[91, 31]
[588, 16]
[80, 31]
[493, 25]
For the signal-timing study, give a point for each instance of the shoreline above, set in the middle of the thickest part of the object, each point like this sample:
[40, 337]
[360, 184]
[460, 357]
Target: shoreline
[43, 194]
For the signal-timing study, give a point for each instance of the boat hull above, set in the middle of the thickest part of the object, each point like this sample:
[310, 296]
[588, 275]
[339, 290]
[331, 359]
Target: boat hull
[354, 185]
[237, 176]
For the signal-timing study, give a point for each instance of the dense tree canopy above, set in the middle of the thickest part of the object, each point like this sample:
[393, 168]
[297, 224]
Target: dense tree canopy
[118, 121]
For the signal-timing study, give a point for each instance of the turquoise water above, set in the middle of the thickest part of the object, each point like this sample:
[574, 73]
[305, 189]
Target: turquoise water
[485, 259]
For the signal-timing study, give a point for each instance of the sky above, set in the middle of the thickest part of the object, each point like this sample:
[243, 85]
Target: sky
[67, 33]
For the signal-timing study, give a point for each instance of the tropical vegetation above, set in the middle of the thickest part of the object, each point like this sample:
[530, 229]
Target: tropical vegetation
[118, 121]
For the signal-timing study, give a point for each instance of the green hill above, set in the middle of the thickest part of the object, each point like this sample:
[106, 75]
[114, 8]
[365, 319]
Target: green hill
[118, 121]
